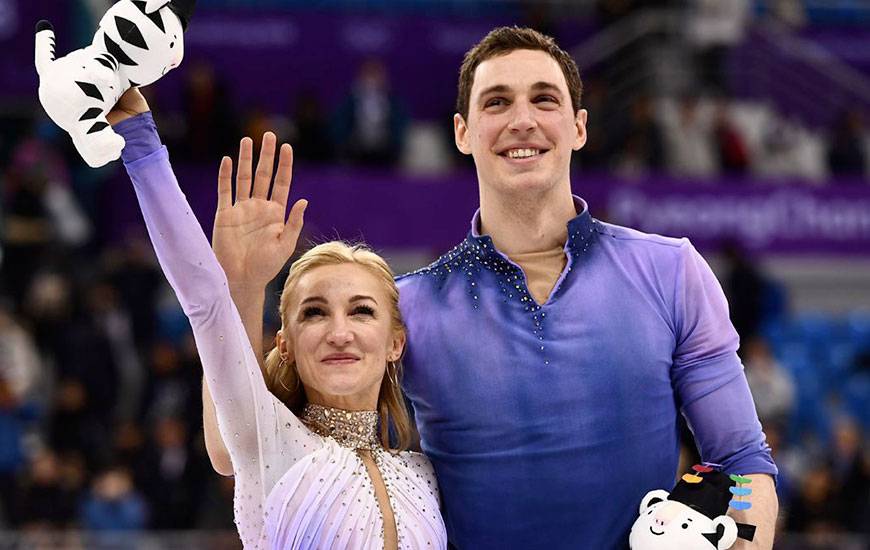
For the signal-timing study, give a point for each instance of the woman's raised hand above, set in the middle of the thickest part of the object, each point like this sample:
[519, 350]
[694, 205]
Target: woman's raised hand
[251, 239]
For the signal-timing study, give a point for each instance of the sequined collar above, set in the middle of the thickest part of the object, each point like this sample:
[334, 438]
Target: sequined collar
[581, 230]
[352, 429]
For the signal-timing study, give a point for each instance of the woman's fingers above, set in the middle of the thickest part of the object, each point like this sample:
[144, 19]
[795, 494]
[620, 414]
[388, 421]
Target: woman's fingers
[284, 176]
[243, 178]
[225, 184]
[263, 176]
[293, 227]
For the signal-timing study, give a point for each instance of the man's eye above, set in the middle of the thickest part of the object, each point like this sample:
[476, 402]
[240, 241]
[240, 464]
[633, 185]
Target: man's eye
[546, 98]
[312, 311]
[494, 102]
[363, 310]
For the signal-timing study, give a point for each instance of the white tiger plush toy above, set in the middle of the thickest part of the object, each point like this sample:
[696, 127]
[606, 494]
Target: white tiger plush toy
[137, 42]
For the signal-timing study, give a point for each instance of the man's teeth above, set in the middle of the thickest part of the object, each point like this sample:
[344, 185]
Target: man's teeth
[522, 153]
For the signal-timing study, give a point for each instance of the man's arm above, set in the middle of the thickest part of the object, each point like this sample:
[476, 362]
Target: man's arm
[715, 398]
[763, 513]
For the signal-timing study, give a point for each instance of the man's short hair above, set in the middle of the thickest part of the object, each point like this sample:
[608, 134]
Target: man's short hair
[504, 40]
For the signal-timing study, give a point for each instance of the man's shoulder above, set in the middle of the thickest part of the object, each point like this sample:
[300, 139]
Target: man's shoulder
[437, 270]
[630, 237]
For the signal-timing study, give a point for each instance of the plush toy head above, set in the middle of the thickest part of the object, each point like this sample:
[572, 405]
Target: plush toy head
[137, 42]
[691, 517]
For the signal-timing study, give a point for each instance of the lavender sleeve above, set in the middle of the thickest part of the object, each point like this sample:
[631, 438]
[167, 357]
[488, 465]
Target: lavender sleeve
[708, 375]
[246, 412]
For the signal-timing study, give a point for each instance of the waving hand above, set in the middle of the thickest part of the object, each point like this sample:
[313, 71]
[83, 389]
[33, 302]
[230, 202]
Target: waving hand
[251, 238]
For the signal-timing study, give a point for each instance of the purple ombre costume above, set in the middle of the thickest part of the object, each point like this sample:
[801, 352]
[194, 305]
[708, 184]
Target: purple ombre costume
[547, 424]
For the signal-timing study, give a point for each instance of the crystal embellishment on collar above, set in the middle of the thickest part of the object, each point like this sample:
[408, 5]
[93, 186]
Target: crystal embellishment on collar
[351, 429]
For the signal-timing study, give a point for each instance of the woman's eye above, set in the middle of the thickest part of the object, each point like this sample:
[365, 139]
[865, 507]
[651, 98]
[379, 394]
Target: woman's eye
[310, 312]
[363, 310]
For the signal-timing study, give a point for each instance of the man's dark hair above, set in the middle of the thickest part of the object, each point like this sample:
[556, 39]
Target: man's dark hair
[504, 40]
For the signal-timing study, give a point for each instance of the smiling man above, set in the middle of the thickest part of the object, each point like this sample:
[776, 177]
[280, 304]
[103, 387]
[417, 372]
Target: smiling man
[549, 354]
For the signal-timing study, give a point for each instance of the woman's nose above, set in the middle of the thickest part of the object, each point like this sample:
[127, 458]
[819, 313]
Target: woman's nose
[339, 333]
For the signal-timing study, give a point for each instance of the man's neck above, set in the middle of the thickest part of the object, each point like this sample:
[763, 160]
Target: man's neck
[519, 225]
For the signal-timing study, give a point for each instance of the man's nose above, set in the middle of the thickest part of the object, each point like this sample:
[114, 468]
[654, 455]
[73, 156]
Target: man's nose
[523, 119]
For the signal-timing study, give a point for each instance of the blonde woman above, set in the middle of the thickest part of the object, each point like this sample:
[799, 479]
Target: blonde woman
[309, 440]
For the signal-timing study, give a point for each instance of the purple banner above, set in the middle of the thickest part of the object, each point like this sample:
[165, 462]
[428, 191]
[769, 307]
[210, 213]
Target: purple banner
[433, 213]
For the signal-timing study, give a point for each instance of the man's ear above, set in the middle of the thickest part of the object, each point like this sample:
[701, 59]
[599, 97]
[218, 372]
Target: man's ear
[580, 124]
[460, 134]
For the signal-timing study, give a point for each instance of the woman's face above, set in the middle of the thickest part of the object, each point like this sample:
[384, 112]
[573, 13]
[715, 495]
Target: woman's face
[338, 329]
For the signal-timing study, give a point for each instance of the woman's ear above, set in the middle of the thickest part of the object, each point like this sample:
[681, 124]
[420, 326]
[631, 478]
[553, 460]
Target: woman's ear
[397, 346]
[284, 348]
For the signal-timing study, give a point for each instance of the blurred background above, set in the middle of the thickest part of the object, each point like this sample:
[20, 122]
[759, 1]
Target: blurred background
[741, 124]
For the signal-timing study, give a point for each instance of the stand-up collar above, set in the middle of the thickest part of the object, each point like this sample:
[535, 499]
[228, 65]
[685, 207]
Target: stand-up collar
[581, 230]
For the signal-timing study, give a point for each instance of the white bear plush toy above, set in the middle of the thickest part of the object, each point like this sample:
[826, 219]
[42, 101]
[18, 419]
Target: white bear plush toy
[137, 42]
[693, 515]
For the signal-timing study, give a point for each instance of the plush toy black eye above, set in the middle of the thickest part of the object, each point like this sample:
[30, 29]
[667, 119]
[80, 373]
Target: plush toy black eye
[649, 513]
[685, 526]
[171, 45]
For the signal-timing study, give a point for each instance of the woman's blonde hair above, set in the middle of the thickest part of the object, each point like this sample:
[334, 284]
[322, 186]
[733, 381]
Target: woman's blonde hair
[283, 379]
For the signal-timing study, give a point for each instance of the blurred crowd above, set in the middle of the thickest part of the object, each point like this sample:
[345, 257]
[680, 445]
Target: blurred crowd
[100, 399]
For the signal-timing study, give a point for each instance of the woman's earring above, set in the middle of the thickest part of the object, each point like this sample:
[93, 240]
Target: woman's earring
[393, 373]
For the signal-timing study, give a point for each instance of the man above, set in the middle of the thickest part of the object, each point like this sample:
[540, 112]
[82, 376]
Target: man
[549, 354]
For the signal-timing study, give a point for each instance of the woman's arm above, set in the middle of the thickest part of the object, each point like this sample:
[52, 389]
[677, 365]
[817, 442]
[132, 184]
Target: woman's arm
[253, 243]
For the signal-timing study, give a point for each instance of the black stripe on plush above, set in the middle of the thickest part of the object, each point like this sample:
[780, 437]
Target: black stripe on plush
[117, 52]
[93, 112]
[90, 90]
[130, 32]
[98, 126]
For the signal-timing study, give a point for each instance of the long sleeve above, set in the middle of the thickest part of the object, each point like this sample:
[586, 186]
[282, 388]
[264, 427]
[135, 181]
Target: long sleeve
[251, 420]
[708, 375]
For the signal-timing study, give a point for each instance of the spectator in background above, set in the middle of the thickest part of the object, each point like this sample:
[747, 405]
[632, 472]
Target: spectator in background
[689, 141]
[113, 503]
[816, 508]
[369, 127]
[171, 476]
[773, 387]
[132, 271]
[48, 496]
[642, 140]
[744, 286]
[846, 152]
[19, 370]
[713, 27]
[40, 215]
[731, 151]
[311, 140]
[172, 387]
[210, 119]
[851, 471]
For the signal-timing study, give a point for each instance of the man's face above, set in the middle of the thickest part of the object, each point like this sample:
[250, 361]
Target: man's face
[521, 126]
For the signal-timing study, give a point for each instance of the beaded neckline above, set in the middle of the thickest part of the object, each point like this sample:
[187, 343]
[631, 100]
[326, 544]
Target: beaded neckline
[351, 429]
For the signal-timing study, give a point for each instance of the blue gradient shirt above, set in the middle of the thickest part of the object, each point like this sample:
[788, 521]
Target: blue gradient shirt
[547, 424]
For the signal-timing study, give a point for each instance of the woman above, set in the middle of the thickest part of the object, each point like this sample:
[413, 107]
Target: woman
[311, 459]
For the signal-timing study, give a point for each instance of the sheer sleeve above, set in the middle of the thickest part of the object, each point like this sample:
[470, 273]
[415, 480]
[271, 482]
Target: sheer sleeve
[250, 418]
